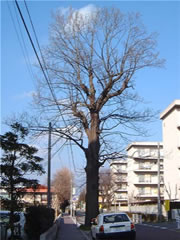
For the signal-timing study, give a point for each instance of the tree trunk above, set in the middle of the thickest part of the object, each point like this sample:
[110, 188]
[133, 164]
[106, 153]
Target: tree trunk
[92, 177]
[92, 185]
[92, 170]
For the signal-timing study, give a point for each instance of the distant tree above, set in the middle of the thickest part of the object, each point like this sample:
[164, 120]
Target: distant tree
[18, 159]
[62, 185]
[82, 197]
[106, 188]
[92, 61]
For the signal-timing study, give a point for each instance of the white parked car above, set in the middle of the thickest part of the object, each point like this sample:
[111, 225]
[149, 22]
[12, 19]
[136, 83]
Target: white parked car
[113, 225]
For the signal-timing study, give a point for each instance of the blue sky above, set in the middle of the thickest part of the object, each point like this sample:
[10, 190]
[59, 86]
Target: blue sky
[159, 87]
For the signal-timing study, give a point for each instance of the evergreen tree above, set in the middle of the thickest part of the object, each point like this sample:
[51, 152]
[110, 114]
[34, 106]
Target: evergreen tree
[18, 159]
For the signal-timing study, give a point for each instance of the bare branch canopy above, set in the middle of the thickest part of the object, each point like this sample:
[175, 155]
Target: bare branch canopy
[92, 60]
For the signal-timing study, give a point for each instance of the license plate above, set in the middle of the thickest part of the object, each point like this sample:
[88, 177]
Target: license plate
[120, 228]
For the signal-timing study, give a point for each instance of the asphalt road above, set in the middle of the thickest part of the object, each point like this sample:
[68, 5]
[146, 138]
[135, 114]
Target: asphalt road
[156, 233]
[164, 231]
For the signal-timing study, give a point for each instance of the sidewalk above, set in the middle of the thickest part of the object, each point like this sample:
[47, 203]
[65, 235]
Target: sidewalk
[67, 230]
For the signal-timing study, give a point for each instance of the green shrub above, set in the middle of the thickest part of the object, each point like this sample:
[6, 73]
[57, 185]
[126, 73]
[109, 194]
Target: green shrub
[84, 228]
[149, 217]
[38, 220]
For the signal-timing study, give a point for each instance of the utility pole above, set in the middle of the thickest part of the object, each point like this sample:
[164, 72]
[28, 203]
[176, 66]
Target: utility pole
[49, 168]
[71, 193]
[159, 185]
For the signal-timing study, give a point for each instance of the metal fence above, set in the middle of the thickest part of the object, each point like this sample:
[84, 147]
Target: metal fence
[137, 218]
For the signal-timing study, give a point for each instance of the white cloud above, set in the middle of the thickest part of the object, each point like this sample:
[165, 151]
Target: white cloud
[82, 17]
[88, 11]
[29, 94]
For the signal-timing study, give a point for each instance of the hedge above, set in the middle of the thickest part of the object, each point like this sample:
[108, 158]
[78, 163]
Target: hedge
[38, 220]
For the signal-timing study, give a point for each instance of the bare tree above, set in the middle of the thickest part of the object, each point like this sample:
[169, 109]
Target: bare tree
[82, 197]
[91, 62]
[106, 188]
[62, 186]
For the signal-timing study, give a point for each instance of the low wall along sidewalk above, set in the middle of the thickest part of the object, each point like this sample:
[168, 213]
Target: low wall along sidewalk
[51, 233]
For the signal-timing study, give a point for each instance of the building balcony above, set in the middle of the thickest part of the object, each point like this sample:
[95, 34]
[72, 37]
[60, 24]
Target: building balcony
[121, 190]
[148, 169]
[120, 180]
[121, 198]
[147, 158]
[147, 182]
[118, 162]
[147, 195]
[120, 171]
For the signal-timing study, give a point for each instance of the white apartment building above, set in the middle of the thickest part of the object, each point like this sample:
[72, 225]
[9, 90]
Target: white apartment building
[171, 143]
[143, 171]
[136, 179]
[119, 173]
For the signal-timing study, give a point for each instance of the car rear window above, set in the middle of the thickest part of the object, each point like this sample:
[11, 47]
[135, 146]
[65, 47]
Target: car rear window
[115, 218]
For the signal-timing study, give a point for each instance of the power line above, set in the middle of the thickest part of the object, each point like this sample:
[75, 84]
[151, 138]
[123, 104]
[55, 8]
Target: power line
[72, 157]
[37, 56]
[28, 62]
[44, 71]
[32, 25]
[42, 57]
[21, 42]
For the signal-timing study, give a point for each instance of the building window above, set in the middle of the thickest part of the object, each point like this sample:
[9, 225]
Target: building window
[141, 191]
[44, 197]
[141, 178]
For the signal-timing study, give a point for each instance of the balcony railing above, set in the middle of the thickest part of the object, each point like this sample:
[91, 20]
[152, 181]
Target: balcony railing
[120, 180]
[148, 182]
[124, 198]
[120, 171]
[121, 190]
[148, 157]
[147, 169]
[148, 195]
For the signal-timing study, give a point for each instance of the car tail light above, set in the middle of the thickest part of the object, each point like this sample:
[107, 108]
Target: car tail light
[101, 229]
[132, 226]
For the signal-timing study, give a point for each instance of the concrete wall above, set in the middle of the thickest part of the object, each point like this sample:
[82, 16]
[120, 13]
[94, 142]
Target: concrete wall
[171, 142]
[147, 209]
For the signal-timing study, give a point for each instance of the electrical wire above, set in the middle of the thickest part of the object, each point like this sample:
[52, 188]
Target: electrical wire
[21, 43]
[44, 71]
[37, 56]
[42, 57]
[72, 157]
